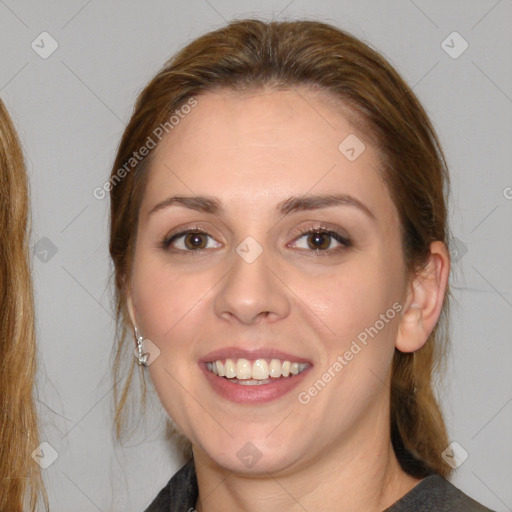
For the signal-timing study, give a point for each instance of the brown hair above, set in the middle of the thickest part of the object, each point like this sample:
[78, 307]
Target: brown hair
[20, 477]
[247, 54]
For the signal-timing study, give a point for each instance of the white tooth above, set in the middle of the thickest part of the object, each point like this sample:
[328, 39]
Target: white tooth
[252, 382]
[220, 368]
[229, 368]
[275, 368]
[260, 369]
[243, 369]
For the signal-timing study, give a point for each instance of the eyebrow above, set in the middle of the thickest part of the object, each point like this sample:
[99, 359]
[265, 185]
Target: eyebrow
[208, 204]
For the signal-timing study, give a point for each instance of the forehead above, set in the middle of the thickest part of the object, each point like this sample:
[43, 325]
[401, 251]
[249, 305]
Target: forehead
[285, 120]
[264, 145]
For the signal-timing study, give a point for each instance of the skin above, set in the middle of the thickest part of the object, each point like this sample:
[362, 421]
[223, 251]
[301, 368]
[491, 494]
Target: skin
[252, 151]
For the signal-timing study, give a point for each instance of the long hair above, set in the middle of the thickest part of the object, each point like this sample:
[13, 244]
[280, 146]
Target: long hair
[20, 477]
[249, 54]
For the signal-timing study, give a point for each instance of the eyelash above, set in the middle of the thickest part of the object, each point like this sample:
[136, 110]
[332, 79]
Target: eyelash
[344, 241]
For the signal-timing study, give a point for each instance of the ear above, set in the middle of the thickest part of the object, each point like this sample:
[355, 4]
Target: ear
[424, 300]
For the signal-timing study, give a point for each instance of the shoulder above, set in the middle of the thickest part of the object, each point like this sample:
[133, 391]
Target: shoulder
[436, 493]
[180, 493]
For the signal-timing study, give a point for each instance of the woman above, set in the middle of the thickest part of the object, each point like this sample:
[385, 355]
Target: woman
[279, 238]
[20, 478]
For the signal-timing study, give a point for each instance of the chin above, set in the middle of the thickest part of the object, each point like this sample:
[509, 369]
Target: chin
[251, 454]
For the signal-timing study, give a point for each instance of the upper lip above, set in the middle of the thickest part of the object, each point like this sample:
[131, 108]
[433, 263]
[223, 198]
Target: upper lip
[256, 353]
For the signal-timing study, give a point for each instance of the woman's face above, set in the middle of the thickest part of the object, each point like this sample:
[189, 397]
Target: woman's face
[254, 291]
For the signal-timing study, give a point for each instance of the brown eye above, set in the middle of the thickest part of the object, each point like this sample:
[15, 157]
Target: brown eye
[195, 241]
[189, 241]
[319, 240]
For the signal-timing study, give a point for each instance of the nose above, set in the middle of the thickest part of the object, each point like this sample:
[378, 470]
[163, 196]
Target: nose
[252, 291]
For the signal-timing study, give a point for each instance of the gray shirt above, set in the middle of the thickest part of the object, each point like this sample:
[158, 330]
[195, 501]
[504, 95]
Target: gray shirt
[433, 493]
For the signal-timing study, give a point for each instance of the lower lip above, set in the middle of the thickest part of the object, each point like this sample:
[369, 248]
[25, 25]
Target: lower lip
[256, 394]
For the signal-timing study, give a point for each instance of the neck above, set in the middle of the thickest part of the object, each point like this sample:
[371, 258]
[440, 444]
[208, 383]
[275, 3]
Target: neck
[355, 475]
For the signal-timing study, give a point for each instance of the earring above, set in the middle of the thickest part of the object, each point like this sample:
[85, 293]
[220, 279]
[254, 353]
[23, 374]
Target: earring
[142, 358]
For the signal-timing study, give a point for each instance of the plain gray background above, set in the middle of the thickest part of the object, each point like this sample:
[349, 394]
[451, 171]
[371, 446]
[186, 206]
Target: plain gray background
[70, 110]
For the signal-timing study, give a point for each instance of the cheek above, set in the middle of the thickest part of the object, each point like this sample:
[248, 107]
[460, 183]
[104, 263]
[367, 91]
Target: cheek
[362, 313]
[356, 304]
[349, 300]
[166, 300]
[171, 313]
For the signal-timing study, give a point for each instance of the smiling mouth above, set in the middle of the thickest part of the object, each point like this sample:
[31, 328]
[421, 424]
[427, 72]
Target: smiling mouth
[255, 372]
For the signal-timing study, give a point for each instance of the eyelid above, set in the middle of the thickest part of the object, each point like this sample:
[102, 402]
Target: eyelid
[180, 232]
[322, 227]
